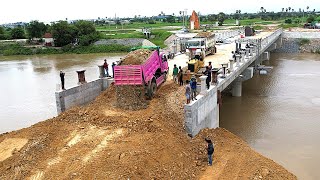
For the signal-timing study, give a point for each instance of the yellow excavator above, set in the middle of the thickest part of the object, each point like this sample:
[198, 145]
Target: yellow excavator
[195, 65]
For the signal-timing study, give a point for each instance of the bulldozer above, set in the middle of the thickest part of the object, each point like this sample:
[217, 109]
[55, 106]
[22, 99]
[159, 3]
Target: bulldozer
[194, 68]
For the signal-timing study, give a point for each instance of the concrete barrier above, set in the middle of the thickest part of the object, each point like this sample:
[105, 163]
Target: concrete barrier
[298, 35]
[203, 113]
[81, 95]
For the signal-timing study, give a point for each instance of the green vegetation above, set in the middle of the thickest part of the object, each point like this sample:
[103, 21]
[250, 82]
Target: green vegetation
[304, 41]
[17, 33]
[36, 29]
[17, 49]
[160, 37]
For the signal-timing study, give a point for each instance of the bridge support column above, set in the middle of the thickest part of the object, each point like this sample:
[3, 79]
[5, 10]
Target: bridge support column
[238, 59]
[237, 87]
[247, 52]
[231, 64]
[251, 50]
[242, 55]
[266, 56]
[203, 89]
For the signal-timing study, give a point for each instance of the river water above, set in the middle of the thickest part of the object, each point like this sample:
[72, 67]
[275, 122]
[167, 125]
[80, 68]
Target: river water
[28, 84]
[278, 113]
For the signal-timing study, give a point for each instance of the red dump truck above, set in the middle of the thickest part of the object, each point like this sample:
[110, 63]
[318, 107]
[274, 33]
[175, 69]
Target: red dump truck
[151, 74]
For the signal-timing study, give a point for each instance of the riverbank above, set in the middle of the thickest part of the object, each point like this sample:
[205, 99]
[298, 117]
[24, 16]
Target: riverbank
[101, 141]
[300, 41]
[17, 49]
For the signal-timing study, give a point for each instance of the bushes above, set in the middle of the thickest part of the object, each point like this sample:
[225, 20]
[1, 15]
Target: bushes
[16, 49]
[304, 41]
[288, 21]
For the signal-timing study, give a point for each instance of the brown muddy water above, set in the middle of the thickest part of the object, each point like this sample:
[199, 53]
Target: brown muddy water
[28, 85]
[279, 113]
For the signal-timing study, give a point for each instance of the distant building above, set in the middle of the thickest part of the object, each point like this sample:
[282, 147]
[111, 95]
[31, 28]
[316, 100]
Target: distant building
[48, 39]
[194, 21]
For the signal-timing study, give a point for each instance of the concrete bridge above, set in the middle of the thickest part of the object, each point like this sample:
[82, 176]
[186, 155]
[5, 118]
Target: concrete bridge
[204, 113]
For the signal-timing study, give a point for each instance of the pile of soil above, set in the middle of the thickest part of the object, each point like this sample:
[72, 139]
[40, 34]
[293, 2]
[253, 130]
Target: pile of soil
[131, 97]
[100, 141]
[204, 34]
[136, 57]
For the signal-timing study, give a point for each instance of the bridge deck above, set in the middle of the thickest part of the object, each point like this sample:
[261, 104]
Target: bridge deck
[224, 51]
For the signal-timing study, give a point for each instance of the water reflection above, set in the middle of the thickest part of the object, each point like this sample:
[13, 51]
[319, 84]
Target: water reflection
[278, 113]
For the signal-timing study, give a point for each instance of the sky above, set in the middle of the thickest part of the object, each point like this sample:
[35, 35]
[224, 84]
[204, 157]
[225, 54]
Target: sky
[47, 11]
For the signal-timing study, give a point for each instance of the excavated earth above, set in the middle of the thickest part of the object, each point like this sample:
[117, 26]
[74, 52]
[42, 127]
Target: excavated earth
[136, 57]
[100, 141]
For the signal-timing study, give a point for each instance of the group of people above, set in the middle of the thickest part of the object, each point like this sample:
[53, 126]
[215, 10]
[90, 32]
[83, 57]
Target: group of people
[191, 85]
[105, 66]
[177, 75]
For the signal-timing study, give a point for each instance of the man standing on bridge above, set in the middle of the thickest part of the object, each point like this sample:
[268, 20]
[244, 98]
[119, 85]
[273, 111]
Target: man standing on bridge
[62, 79]
[210, 150]
[105, 66]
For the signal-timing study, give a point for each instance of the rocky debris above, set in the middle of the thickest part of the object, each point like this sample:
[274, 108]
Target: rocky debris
[204, 34]
[290, 45]
[131, 97]
[136, 57]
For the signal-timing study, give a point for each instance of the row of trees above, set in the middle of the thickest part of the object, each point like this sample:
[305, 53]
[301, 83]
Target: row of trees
[81, 32]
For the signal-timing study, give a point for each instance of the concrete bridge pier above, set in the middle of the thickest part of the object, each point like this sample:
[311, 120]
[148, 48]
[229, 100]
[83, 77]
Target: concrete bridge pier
[237, 87]
[238, 59]
[242, 55]
[231, 64]
[247, 52]
[266, 56]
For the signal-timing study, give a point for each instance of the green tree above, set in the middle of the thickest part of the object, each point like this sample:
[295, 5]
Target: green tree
[212, 17]
[36, 29]
[17, 33]
[3, 35]
[85, 27]
[171, 19]
[221, 18]
[310, 19]
[63, 33]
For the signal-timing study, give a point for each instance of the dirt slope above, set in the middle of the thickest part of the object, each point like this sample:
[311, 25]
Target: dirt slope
[100, 141]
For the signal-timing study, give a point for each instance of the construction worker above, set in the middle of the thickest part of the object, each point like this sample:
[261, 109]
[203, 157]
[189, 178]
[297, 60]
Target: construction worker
[188, 91]
[193, 85]
[175, 73]
[62, 79]
[113, 64]
[210, 150]
[105, 66]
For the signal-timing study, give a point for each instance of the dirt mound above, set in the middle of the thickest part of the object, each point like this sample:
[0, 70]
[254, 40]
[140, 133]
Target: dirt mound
[100, 141]
[131, 97]
[204, 34]
[136, 57]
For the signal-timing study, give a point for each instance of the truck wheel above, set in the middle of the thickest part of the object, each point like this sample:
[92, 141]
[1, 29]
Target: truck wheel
[152, 88]
[165, 77]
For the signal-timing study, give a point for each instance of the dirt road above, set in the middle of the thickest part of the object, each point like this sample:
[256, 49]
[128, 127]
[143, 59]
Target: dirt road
[99, 141]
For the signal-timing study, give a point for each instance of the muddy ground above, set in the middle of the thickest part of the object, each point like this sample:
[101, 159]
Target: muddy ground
[100, 141]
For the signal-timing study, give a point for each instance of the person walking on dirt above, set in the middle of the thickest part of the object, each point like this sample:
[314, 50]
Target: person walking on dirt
[193, 85]
[210, 150]
[105, 66]
[180, 76]
[188, 91]
[62, 79]
[175, 73]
